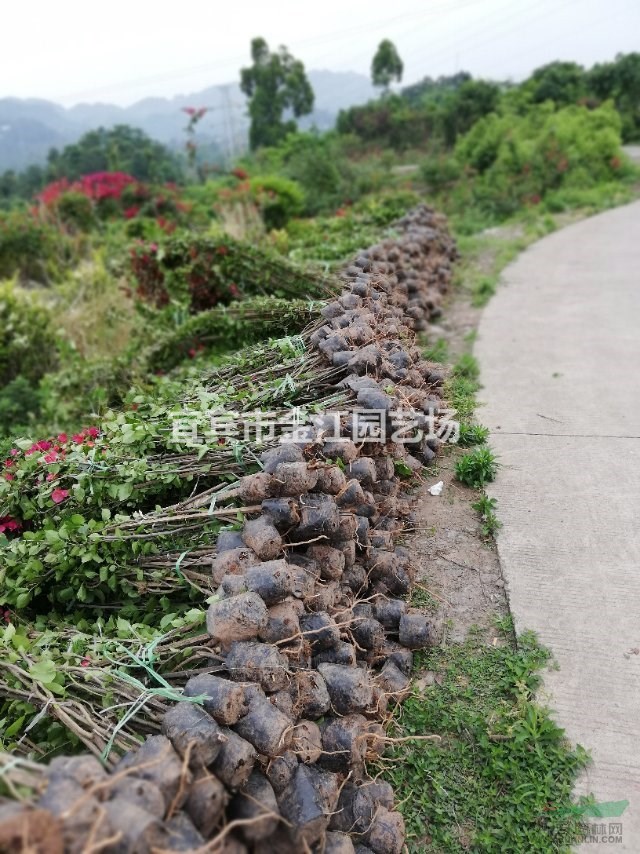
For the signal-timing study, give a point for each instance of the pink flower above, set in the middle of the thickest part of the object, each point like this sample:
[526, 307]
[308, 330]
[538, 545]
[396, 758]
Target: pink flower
[62, 437]
[51, 458]
[59, 495]
[8, 476]
[93, 432]
[43, 445]
[78, 438]
[14, 452]
[51, 476]
[85, 662]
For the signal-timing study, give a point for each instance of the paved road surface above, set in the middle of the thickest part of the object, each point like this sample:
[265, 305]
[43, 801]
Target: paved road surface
[559, 349]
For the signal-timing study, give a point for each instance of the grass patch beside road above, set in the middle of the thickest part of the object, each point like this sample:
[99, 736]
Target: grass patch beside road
[502, 775]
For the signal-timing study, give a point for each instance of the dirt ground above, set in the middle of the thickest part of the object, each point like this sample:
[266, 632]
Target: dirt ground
[456, 566]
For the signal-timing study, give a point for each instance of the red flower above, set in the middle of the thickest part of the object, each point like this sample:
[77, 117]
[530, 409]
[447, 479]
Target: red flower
[8, 523]
[131, 212]
[93, 432]
[62, 437]
[59, 495]
[77, 438]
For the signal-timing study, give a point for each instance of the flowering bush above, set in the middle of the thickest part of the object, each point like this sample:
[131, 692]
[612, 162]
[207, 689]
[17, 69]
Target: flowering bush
[103, 195]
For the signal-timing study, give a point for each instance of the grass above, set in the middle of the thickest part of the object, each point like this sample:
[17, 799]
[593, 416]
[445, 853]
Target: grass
[437, 352]
[467, 366]
[500, 779]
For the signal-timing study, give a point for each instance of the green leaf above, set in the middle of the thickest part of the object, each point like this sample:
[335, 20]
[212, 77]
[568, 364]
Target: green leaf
[43, 671]
[15, 727]
[23, 600]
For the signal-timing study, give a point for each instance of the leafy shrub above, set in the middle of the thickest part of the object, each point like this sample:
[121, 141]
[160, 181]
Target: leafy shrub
[440, 171]
[27, 346]
[19, 403]
[381, 210]
[391, 121]
[518, 159]
[319, 165]
[76, 210]
[278, 199]
[477, 468]
[31, 248]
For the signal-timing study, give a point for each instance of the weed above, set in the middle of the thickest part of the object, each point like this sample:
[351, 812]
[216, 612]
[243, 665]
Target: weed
[477, 467]
[486, 508]
[467, 366]
[501, 777]
[504, 624]
[421, 598]
[460, 392]
[472, 434]
[483, 290]
[438, 351]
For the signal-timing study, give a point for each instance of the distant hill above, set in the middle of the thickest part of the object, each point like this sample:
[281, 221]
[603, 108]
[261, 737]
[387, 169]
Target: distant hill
[30, 127]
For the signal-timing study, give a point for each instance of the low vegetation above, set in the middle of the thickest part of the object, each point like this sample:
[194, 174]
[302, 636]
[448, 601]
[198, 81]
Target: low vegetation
[501, 776]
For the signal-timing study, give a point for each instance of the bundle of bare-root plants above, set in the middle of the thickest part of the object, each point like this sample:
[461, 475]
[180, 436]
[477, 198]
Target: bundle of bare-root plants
[264, 742]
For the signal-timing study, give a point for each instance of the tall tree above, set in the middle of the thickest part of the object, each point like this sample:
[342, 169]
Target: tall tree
[386, 65]
[274, 83]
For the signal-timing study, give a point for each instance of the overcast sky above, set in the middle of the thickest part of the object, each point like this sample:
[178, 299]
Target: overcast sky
[123, 50]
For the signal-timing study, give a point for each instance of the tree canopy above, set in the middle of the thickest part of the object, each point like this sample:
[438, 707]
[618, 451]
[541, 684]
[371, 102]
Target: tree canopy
[119, 149]
[386, 65]
[274, 83]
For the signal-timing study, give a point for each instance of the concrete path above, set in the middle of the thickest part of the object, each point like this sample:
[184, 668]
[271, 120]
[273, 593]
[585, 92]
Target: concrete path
[559, 350]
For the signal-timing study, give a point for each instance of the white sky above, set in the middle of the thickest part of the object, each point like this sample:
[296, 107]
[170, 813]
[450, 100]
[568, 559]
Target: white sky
[122, 50]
